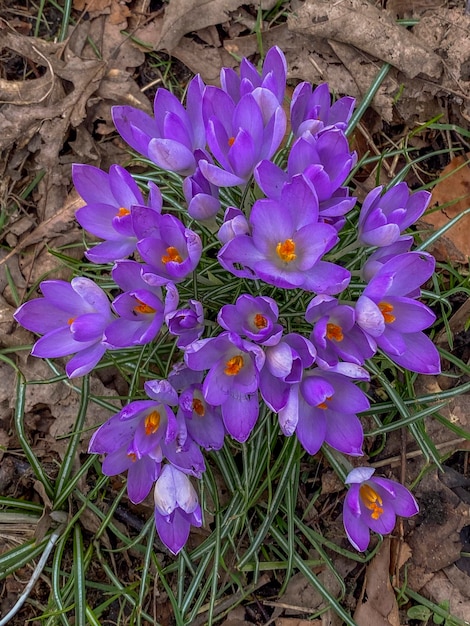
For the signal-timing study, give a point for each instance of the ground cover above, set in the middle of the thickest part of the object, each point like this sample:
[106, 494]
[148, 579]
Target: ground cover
[272, 549]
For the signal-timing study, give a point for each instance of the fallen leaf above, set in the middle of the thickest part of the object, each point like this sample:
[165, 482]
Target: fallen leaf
[380, 608]
[367, 28]
[453, 586]
[452, 196]
[186, 16]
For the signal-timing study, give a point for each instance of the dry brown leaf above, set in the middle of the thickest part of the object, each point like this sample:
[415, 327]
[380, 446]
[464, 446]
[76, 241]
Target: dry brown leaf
[380, 608]
[452, 193]
[453, 586]
[369, 29]
[202, 59]
[55, 225]
[186, 16]
[436, 541]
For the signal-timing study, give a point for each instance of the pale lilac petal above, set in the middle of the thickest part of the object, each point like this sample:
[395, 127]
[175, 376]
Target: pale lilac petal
[240, 412]
[83, 362]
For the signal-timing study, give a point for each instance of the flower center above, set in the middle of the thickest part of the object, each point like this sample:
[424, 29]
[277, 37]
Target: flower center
[152, 422]
[233, 365]
[386, 310]
[143, 308]
[132, 456]
[323, 405]
[172, 255]
[231, 141]
[334, 332]
[198, 407]
[286, 250]
[71, 320]
[122, 212]
[260, 321]
[371, 500]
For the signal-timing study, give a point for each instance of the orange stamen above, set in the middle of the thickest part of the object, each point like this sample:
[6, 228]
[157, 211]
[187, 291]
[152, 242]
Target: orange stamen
[122, 212]
[172, 255]
[198, 407]
[234, 365]
[71, 320]
[152, 422]
[334, 332]
[260, 321]
[323, 405]
[231, 141]
[132, 456]
[386, 310]
[286, 251]
[143, 308]
[371, 500]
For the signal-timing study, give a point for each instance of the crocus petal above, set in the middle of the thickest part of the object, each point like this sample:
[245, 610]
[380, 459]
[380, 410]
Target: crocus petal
[356, 530]
[140, 478]
[311, 427]
[172, 530]
[403, 503]
[240, 412]
[83, 362]
[344, 433]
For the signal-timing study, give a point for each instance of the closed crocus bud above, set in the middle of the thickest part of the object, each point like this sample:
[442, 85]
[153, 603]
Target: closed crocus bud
[176, 508]
[373, 503]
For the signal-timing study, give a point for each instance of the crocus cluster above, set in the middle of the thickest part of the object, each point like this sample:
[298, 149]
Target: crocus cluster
[307, 311]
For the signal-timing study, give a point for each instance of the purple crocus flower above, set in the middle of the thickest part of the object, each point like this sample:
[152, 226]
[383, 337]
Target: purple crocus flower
[389, 312]
[172, 137]
[384, 254]
[166, 245]
[141, 308]
[201, 195]
[322, 409]
[336, 335]
[384, 217]
[286, 246]
[284, 366]
[187, 324]
[235, 223]
[176, 508]
[232, 380]
[141, 425]
[253, 317]
[142, 471]
[72, 318]
[240, 135]
[107, 214]
[372, 503]
[272, 77]
[325, 161]
[203, 421]
[312, 111]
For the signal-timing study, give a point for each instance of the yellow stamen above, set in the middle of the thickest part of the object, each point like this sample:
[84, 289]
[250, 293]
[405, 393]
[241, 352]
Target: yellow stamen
[122, 212]
[260, 321]
[152, 422]
[334, 332]
[234, 365]
[132, 456]
[143, 308]
[286, 250]
[172, 255]
[231, 141]
[198, 407]
[386, 310]
[371, 500]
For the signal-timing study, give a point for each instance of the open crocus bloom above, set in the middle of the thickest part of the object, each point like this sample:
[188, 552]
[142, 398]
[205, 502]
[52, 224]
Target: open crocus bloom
[372, 503]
